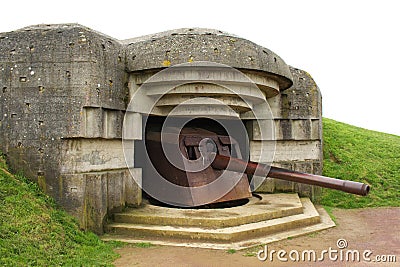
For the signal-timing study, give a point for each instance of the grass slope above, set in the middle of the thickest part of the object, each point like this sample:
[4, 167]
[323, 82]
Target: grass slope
[361, 155]
[34, 232]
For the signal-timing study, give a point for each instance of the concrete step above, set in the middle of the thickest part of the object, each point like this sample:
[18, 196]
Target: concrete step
[260, 208]
[309, 217]
[325, 223]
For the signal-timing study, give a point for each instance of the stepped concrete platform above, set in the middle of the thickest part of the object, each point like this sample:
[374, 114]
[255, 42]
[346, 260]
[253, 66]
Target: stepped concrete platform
[265, 218]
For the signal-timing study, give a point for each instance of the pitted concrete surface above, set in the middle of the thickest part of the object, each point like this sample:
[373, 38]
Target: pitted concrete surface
[194, 44]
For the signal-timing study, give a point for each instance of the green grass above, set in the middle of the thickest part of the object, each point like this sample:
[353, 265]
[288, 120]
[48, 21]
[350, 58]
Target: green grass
[35, 232]
[143, 245]
[231, 251]
[361, 155]
[250, 254]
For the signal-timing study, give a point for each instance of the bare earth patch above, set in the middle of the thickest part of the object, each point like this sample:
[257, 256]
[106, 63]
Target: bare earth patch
[374, 229]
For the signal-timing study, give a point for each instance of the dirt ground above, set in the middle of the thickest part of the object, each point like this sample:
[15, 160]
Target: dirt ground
[374, 229]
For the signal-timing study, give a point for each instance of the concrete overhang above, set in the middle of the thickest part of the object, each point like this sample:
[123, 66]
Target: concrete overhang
[169, 48]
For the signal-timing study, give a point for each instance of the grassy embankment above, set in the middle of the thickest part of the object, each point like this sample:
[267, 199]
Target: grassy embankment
[361, 155]
[35, 232]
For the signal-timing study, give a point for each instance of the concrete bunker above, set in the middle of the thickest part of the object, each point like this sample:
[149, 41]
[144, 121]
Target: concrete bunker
[66, 94]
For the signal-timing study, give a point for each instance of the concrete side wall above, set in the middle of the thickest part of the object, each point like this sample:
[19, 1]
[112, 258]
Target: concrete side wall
[298, 130]
[65, 86]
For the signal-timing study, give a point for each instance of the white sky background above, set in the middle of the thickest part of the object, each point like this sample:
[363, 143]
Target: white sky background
[351, 48]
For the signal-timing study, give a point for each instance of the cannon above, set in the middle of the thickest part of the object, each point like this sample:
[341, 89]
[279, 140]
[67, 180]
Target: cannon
[203, 157]
[253, 168]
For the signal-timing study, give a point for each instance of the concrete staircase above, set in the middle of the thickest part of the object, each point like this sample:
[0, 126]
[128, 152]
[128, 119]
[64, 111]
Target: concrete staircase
[265, 218]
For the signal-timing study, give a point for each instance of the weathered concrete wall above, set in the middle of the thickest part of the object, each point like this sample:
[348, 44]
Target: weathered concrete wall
[298, 124]
[62, 103]
[65, 89]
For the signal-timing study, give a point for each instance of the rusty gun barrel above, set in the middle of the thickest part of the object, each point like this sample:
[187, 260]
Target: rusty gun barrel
[253, 168]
